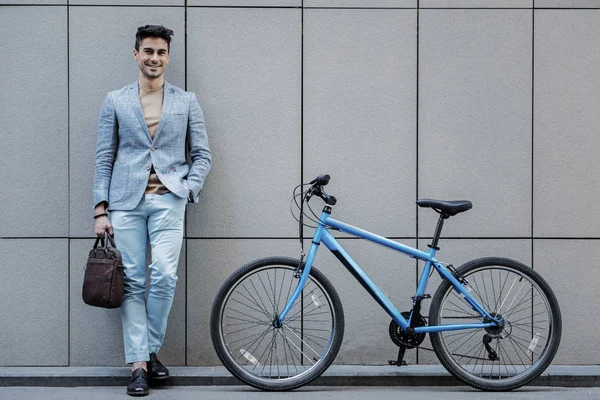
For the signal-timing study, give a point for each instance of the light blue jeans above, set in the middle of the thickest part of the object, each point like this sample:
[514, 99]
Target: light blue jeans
[158, 218]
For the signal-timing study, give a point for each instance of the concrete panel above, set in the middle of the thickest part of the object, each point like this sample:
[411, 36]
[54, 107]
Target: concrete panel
[360, 114]
[567, 3]
[575, 286]
[35, 302]
[96, 333]
[459, 251]
[99, 64]
[475, 3]
[475, 119]
[245, 66]
[245, 3]
[361, 3]
[129, 3]
[567, 97]
[210, 262]
[34, 138]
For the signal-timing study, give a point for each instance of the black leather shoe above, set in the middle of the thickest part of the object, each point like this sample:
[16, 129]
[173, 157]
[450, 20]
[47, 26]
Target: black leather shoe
[155, 368]
[138, 385]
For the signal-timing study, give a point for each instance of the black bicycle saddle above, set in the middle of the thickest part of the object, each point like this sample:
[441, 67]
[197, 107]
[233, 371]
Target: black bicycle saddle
[446, 207]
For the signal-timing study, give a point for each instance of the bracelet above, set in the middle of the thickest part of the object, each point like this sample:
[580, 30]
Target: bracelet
[100, 215]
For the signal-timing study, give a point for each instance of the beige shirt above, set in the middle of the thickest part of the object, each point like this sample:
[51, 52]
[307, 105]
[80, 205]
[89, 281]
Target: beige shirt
[152, 101]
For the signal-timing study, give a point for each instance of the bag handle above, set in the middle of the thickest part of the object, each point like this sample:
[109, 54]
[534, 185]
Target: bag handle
[103, 244]
[110, 239]
[99, 239]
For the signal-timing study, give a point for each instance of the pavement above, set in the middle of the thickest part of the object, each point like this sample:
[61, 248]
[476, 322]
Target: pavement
[337, 375]
[304, 393]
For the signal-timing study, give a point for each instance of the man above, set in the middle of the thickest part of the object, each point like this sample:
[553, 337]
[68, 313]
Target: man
[143, 179]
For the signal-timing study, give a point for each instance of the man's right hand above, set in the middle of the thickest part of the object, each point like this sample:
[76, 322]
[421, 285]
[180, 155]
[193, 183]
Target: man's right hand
[103, 225]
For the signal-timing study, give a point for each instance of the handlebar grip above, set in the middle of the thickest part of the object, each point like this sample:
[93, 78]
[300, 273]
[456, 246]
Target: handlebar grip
[321, 180]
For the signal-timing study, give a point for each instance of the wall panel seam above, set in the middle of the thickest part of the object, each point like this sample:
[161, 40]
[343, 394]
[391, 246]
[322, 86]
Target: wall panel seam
[532, 142]
[91, 238]
[532, 128]
[68, 190]
[295, 7]
[301, 228]
[361, 8]
[127, 6]
[243, 7]
[33, 5]
[417, 165]
[476, 8]
[185, 266]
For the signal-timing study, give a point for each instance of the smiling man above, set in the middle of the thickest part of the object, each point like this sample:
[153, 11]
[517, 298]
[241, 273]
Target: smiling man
[142, 178]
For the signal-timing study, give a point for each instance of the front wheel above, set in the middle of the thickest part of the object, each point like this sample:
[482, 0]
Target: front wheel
[500, 357]
[257, 351]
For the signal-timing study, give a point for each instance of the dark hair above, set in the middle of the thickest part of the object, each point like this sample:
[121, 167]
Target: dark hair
[158, 31]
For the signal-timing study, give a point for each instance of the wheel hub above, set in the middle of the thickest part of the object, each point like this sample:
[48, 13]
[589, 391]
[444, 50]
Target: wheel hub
[495, 331]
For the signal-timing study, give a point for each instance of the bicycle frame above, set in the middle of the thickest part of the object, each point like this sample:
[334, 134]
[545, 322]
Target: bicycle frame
[322, 235]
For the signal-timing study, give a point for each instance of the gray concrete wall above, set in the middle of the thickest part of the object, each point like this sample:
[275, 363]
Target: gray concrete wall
[493, 101]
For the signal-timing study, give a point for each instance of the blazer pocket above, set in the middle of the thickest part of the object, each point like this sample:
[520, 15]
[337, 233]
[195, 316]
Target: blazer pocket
[179, 110]
[116, 193]
[118, 186]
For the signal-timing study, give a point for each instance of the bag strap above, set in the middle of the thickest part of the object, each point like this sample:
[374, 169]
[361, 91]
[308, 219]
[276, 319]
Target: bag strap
[103, 244]
[110, 239]
[99, 239]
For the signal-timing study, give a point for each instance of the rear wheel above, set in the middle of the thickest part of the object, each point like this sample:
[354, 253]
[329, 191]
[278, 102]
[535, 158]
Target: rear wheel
[249, 344]
[507, 356]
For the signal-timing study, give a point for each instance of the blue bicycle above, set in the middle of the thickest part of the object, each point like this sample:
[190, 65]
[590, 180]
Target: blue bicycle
[277, 323]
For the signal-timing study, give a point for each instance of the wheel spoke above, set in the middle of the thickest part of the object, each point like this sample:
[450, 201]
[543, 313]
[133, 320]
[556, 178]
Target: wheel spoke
[469, 335]
[261, 307]
[252, 308]
[244, 349]
[311, 337]
[509, 291]
[478, 292]
[265, 308]
[267, 292]
[298, 348]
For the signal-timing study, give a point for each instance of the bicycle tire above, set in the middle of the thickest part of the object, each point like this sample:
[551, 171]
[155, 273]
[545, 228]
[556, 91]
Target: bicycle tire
[516, 343]
[242, 318]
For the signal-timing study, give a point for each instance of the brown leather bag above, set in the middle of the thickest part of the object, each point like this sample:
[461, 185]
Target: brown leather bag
[103, 279]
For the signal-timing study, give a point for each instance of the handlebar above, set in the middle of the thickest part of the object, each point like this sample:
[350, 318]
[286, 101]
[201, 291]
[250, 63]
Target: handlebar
[317, 189]
[321, 180]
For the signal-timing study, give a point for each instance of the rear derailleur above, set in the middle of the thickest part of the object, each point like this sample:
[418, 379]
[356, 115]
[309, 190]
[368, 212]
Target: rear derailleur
[492, 355]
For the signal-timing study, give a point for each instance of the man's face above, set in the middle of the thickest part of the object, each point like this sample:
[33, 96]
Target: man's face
[153, 56]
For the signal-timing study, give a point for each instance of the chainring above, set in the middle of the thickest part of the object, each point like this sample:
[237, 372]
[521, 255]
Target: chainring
[401, 338]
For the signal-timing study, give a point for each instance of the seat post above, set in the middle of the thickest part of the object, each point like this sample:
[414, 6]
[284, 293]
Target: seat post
[438, 231]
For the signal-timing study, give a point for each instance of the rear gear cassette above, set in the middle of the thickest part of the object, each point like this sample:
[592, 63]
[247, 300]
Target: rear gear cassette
[401, 338]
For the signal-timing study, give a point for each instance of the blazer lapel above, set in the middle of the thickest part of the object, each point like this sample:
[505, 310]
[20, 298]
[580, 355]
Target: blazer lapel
[166, 108]
[134, 91]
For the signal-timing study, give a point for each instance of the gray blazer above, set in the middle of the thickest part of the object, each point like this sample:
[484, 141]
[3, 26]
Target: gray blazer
[125, 151]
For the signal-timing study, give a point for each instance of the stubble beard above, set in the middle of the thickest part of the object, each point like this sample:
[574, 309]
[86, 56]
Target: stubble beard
[150, 74]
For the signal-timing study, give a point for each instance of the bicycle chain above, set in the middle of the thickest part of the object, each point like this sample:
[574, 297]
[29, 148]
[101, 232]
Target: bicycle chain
[460, 355]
